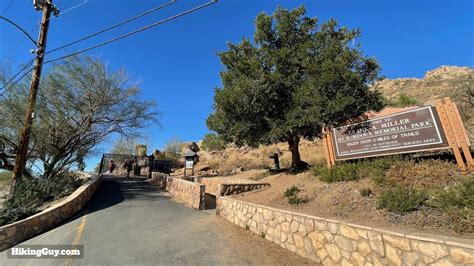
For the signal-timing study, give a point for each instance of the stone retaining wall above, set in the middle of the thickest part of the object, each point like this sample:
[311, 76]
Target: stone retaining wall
[14, 233]
[183, 190]
[228, 186]
[336, 242]
[232, 189]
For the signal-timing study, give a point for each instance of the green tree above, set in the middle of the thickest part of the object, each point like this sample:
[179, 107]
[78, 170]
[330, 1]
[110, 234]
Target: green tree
[295, 78]
[125, 146]
[213, 142]
[81, 103]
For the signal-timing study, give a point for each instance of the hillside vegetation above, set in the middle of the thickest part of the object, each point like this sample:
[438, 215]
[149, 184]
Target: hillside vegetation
[429, 193]
[445, 81]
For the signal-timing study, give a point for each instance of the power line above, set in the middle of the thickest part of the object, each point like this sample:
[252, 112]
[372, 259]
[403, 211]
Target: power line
[72, 8]
[134, 32]
[86, 37]
[113, 26]
[37, 25]
[7, 7]
[112, 40]
[18, 44]
[69, 4]
[12, 50]
[20, 28]
[18, 73]
[17, 117]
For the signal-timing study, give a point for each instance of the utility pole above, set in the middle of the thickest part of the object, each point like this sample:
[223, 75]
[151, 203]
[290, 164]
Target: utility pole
[47, 7]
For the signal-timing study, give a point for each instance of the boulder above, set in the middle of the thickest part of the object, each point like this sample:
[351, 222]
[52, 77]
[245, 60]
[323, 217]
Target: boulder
[190, 146]
[140, 150]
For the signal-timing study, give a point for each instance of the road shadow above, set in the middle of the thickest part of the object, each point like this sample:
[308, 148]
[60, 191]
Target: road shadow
[107, 195]
[113, 191]
[211, 201]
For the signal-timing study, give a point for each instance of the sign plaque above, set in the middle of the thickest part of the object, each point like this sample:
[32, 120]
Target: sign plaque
[414, 130]
[189, 164]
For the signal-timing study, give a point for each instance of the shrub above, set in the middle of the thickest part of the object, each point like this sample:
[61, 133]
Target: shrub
[213, 142]
[292, 195]
[30, 194]
[295, 200]
[460, 196]
[342, 172]
[425, 173]
[458, 202]
[377, 168]
[365, 192]
[401, 199]
[346, 171]
[290, 192]
[403, 100]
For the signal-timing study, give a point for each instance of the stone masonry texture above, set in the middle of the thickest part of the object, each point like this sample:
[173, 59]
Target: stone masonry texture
[183, 190]
[14, 233]
[332, 242]
[228, 186]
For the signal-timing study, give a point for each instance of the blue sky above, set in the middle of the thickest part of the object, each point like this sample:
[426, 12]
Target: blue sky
[177, 61]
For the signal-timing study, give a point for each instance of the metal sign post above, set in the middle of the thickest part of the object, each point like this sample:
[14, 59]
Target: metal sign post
[189, 161]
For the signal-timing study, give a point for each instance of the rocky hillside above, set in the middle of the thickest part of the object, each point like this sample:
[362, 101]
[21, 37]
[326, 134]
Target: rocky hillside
[441, 82]
[445, 81]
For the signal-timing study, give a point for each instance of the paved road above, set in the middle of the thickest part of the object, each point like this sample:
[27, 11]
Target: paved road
[134, 223]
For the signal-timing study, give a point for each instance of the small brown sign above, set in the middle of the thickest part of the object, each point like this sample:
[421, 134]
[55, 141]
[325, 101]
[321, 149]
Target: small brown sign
[414, 130]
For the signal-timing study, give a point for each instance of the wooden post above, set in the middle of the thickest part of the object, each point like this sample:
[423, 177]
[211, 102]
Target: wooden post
[326, 147]
[332, 158]
[459, 130]
[21, 156]
[448, 130]
[462, 124]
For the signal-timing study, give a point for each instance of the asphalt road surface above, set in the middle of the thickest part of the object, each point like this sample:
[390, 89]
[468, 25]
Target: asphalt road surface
[131, 222]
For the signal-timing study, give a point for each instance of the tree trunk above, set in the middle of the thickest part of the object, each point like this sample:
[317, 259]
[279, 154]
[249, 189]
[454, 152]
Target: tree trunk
[296, 163]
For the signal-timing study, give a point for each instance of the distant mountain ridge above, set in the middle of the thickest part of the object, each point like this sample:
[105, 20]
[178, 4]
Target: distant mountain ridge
[445, 81]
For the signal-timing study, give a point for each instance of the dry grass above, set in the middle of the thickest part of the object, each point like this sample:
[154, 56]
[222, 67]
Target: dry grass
[424, 174]
[232, 158]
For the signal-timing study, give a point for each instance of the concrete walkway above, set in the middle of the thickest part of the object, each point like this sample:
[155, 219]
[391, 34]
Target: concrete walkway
[130, 222]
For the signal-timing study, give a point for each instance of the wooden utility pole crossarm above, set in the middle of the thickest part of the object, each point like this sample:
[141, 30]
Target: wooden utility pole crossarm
[20, 162]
